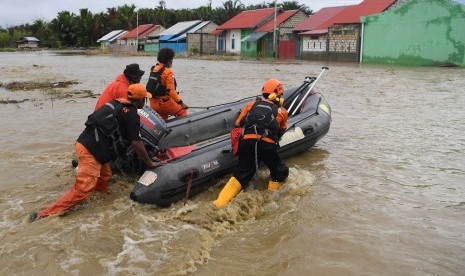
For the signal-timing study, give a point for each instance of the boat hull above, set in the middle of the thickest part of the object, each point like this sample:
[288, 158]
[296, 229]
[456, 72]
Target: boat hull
[212, 160]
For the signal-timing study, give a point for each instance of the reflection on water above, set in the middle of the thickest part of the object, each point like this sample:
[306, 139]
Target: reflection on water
[382, 193]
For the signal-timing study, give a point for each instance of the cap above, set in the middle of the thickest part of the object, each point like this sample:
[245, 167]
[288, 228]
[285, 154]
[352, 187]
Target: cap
[133, 70]
[137, 91]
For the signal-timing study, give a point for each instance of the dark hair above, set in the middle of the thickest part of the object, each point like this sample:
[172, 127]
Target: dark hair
[165, 55]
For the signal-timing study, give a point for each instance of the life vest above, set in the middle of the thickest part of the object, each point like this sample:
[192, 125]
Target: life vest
[104, 121]
[260, 121]
[154, 84]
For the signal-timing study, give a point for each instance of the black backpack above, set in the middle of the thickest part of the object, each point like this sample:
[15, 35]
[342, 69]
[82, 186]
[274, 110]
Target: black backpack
[154, 84]
[104, 118]
[104, 121]
[261, 119]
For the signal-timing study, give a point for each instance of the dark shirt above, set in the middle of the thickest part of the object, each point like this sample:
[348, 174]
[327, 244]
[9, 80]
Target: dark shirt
[128, 121]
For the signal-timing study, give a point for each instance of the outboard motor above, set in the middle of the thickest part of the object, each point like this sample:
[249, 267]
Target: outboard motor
[152, 127]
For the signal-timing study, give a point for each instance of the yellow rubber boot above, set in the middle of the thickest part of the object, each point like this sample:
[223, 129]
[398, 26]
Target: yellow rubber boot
[230, 190]
[274, 185]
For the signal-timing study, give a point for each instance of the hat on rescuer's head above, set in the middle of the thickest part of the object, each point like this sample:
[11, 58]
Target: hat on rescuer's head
[133, 70]
[137, 91]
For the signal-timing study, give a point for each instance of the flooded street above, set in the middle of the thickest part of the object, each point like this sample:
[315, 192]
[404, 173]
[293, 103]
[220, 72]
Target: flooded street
[381, 194]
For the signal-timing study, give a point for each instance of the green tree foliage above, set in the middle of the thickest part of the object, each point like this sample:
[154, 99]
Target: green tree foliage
[64, 25]
[82, 30]
[4, 39]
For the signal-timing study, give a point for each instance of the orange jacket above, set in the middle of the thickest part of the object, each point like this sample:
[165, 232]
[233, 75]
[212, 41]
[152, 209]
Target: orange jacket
[168, 80]
[115, 90]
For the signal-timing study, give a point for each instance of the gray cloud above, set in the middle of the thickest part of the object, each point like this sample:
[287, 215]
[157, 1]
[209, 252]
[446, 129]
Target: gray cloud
[16, 12]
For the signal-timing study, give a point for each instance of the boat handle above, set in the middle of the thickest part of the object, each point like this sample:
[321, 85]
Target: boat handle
[185, 175]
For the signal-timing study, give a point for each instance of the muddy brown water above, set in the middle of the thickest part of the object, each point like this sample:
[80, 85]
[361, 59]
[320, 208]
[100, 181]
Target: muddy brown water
[381, 194]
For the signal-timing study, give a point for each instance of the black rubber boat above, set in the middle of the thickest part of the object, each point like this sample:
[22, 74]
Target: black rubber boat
[206, 135]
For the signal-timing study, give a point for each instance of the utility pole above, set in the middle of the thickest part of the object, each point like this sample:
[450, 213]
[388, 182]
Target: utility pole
[137, 31]
[274, 31]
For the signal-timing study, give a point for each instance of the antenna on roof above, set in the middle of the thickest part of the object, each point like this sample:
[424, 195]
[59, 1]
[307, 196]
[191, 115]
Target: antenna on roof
[274, 31]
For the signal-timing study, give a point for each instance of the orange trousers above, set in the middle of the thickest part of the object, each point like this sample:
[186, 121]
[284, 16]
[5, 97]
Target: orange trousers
[166, 106]
[91, 176]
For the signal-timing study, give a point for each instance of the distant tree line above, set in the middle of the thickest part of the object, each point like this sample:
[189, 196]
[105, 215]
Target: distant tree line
[84, 29]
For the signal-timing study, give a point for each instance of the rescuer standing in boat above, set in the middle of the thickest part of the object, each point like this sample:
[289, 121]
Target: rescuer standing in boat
[162, 84]
[118, 89]
[108, 133]
[264, 121]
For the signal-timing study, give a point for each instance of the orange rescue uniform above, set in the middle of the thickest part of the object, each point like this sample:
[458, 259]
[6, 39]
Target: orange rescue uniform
[91, 176]
[116, 90]
[94, 151]
[170, 103]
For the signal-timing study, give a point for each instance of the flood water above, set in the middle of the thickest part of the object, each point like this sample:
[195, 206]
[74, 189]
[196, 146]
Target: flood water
[381, 194]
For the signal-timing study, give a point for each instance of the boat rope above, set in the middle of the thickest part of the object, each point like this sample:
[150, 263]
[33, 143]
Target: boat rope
[255, 180]
[189, 185]
[208, 107]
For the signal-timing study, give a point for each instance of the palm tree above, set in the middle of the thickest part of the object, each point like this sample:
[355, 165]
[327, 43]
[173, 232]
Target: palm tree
[64, 25]
[233, 8]
[85, 31]
[127, 16]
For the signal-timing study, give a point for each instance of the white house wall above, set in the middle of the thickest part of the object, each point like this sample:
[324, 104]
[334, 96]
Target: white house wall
[229, 37]
[313, 45]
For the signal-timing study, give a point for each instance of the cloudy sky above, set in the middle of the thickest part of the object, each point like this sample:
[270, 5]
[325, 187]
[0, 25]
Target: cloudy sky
[16, 12]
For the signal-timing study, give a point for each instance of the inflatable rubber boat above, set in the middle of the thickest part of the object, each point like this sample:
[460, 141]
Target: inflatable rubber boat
[197, 147]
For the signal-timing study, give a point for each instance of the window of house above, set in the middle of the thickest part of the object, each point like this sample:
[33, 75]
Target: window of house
[349, 32]
[220, 45]
[247, 45]
[233, 43]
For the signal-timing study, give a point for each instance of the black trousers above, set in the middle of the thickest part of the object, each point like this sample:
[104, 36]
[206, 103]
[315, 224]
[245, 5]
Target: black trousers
[267, 154]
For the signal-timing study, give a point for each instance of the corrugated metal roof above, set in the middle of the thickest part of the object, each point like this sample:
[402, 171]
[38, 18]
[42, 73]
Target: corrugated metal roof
[165, 37]
[368, 7]
[247, 19]
[181, 27]
[216, 32]
[176, 39]
[111, 35]
[28, 38]
[31, 38]
[254, 37]
[199, 26]
[321, 19]
[280, 18]
[315, 32]
[142, 30]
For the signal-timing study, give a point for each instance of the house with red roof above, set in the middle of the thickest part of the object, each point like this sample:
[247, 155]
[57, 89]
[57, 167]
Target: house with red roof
[251, 33]
[345, 34]
[230, 33]
[139, 35]
[335, 33]
[313, 33]
[286, 21]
